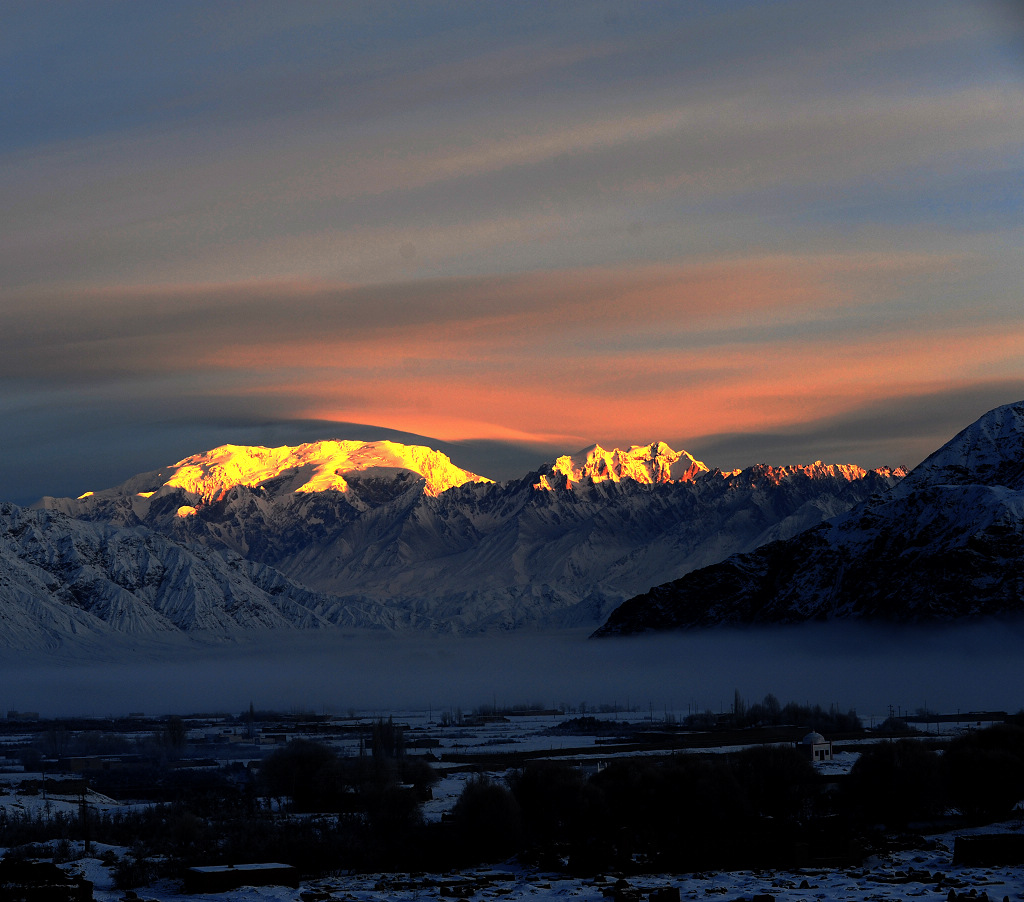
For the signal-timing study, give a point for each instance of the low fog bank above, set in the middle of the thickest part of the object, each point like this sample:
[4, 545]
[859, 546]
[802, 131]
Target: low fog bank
[867, 668]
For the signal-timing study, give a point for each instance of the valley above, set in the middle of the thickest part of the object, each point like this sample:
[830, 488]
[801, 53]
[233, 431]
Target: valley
[142, 804]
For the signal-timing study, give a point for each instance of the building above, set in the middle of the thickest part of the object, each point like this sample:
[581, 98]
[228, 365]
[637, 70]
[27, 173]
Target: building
[816, 747]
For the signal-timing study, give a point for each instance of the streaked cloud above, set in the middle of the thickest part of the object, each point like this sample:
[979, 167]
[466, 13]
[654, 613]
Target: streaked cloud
[567, 357]
[57, 335]
[323, 188]
[541, 224]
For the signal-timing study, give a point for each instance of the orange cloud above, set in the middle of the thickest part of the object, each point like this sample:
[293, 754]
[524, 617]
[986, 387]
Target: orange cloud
[621, 355]
[641, 397]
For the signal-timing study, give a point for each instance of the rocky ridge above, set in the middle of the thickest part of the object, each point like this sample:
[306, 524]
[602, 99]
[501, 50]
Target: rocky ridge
[944, 544]
[560, 547]
[66, 580]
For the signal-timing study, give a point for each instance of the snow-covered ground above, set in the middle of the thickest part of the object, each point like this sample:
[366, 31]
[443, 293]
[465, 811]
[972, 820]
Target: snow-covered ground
[920, 873]
[56, 799]
[925, 874]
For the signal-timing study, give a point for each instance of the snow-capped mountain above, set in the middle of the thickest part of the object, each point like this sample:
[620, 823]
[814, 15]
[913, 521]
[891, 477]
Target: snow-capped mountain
[946, 543]
[311, 467]
[405, 539]
[63, 579]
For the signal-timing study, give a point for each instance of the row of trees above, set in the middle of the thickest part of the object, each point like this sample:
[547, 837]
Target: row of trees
[758, 807]
[979, 774]
[771, 712]
[753, 808]
[58, 741]
[689, 811]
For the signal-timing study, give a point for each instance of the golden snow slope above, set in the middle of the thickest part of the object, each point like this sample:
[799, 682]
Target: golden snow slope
[317, 466]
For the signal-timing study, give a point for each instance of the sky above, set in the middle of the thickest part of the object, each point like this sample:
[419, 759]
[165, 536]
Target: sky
[762, 232]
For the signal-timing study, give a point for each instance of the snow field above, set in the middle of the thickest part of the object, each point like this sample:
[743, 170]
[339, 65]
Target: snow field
[896, 877]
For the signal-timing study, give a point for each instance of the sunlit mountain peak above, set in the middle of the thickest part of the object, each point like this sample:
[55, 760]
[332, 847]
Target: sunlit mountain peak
[647, 464]
[816, 470]
[315, 467]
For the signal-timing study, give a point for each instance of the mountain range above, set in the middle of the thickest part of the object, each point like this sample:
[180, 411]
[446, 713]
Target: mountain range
[944, 544]
[379, 535]
[386, 536]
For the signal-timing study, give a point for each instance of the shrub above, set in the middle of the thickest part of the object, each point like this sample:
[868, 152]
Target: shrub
[131, 872]
[557, 803]
[895, 782]
[776, 781]
[677, 812]
[307, 772]
[488, 820]
[984, 771]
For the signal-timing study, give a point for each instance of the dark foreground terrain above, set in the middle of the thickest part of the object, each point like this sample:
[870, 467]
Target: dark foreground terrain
[589, 797]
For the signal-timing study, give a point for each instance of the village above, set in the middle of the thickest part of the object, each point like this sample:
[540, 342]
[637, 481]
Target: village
[508, 801]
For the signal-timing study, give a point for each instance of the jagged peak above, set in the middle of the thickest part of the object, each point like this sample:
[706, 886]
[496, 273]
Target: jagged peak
[816, 470]
[648, 464]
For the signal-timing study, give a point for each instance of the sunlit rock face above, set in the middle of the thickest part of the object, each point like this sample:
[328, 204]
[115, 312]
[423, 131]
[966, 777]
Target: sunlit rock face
[945, 544]
[373, 525]
[645, 464]
[313, 467]
[347, 467]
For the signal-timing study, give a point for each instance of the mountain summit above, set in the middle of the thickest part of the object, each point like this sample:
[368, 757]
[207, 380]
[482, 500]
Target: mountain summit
[945, 544]
[646, 464]
[313, 467]
[988, 452]
[382, 535]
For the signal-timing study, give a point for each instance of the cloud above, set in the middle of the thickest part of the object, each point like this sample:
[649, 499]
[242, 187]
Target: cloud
[568, 371]
[897, 429]
[969, 668]
[292, 327]
[554, 358]
[326, 168]
[518, 224]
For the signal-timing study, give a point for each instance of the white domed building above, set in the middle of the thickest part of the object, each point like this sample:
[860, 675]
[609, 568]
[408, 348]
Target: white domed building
[816, 747]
